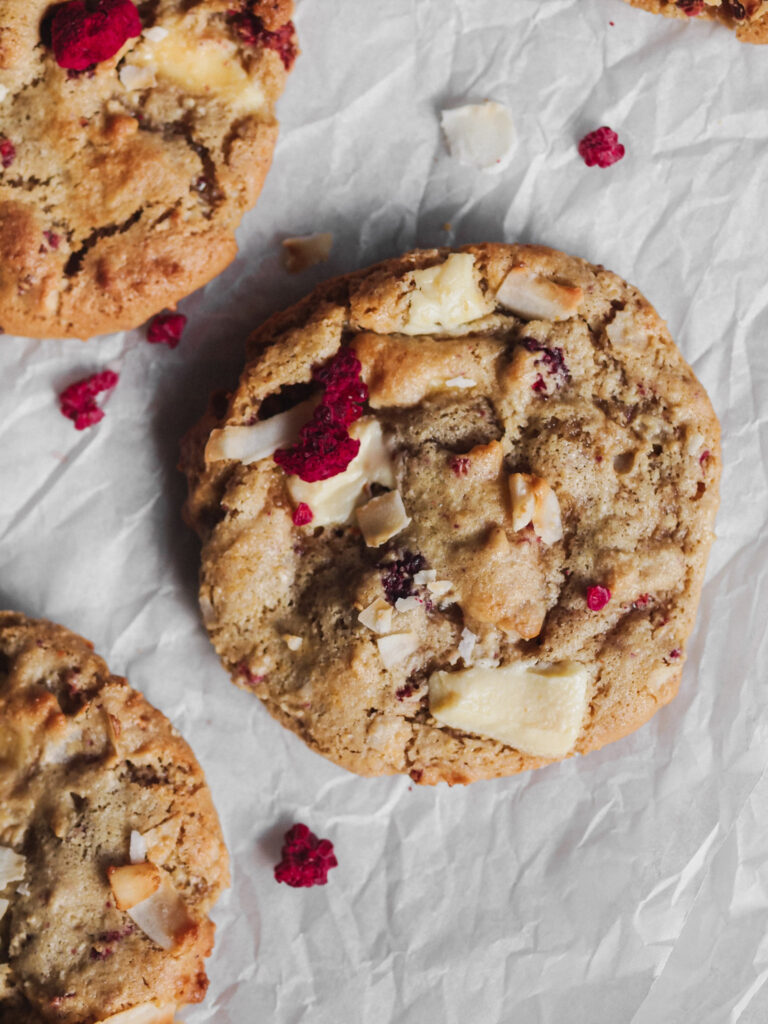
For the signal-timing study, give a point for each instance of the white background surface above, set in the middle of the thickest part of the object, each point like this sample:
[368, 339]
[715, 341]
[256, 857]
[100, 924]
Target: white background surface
[630, 886]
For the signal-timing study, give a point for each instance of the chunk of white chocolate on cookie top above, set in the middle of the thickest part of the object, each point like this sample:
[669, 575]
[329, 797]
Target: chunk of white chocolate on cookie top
[534, 297]
[537, 709]
[534, 502]
[446, 296]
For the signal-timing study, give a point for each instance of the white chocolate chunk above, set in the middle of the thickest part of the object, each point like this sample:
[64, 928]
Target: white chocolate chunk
[382, 518]
[12, 866]
[377, 616]
[461, 382]
[334, 500]
[534, 501]
[446, 296]
[306, 251]
[395, 648]
[533, 297]
[624, 331]
[425, 576]
[258, 440]
[439, 588]
[205, 65]
[407, 604]
[146, 1013]
[538, 709]
[156, 34]
[138, 847]
[133, 77]
[292, 642]
[163, 916]
[479, 135]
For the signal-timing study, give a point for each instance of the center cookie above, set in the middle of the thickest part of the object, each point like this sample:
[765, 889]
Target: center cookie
[456, 514]
[132, 140]
[111, 853]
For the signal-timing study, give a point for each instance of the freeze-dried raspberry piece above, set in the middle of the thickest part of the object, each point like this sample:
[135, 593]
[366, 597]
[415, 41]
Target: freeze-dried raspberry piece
[691, 7]
[323, 450]
[251, 31]
[7, 152]
[78, 401]
[306, 859]
[597, 597]
[345, 393]
[601, 147]
[397, 578]
[166, 329]
[551, 360]
[52, 239]
[302, 514]
[460, 465]
[85, 32]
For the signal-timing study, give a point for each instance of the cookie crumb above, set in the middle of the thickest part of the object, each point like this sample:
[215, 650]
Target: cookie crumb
[306, 859]
[601, 147]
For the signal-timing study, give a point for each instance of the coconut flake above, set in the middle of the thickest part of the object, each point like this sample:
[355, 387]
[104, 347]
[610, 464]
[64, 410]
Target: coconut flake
[133, 77]
[382, 518]
[407, 604]
[461, 382]
[534, 297]
[395, 648]
[425, 576]
[248, 444]
[467, 645]
[293, 643]
[163, 916]
[479, 135]
[439, 588]
[155, 34]
[306, 251]
[138, 847]
[377, 616]
[146, 1013]
[12, 866]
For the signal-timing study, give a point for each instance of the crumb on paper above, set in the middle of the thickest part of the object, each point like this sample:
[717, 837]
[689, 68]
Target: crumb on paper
[479, 135]
[305, 251]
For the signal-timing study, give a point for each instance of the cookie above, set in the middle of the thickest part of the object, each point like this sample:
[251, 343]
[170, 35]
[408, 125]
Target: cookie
[124, 172]
[456, 513]
[748, 18]
[111, 853]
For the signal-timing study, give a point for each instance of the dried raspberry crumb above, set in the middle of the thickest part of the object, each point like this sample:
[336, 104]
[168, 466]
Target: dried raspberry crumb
[52, 239]
[406, 691]
[675, 653]
[704, 457]
[397, 578]
[416, 774]
[251, 678]
[691, 7]
[324, 448]
[251, 31]
[302, 514]
[306, 859]
[598, 597]
[166, 329]
[601, 147]
[85, 32]
[642, 601]
[7, 152]
[78, 401]
[460, 465]
[549, 360]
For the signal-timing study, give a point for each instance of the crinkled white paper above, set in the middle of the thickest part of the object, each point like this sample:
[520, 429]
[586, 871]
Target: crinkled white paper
[629, 886]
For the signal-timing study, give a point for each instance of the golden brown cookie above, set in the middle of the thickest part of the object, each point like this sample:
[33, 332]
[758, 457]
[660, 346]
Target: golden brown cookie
[111, 853]
[455, 516]
[747, 18]
[122, 180]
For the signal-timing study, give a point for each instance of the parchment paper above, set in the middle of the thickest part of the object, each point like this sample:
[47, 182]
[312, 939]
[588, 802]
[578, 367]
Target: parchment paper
[629, 886]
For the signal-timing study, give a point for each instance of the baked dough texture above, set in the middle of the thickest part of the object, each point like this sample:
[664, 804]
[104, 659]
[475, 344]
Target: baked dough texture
[121, 185]
[747, 18]
[548, 500]
[85, 762]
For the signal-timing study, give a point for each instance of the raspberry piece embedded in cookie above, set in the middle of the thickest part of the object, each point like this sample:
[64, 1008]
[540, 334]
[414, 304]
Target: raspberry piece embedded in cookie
[85, 33]
[597, 597]
[166, 329]
[691, 7]
[601, 147]
[251, 30]
[78, 401]
[7, 152]
[302, 514]
[345, 393]
[397, 579]
[306, 859]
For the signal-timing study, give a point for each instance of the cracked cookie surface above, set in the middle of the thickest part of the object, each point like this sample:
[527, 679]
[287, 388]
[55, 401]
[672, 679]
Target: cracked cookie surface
[121, 185]
[507, 571]
[93, 780]
[747, 18]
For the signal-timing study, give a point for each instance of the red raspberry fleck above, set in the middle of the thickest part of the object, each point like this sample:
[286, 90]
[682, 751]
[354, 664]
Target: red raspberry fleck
[675, 653]
[324, 448]
[691, 7]
[251, 678]
[598, 597]
[85, 32]
[460, 465]
[642, 601]
[251, 31]
[397, 578]
[306, 859]
[166, 329]
[302, 514]
[551, 360]
[52, 239]
[78, 401]
[704, 457]
[7, 152]
[601, 147]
